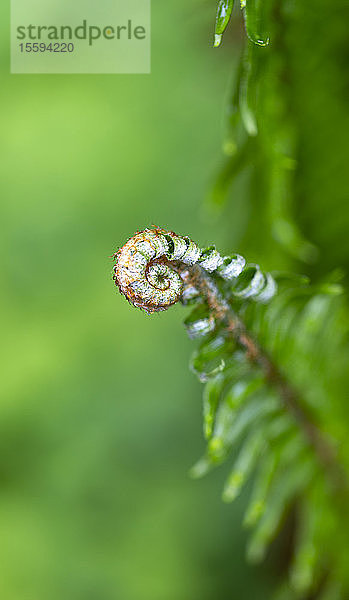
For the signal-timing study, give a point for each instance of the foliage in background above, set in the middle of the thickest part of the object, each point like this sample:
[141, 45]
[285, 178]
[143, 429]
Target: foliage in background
[287, 127]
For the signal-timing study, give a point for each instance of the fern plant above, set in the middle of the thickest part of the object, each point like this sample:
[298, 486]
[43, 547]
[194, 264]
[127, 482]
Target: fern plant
[273, 349]
[265, 393]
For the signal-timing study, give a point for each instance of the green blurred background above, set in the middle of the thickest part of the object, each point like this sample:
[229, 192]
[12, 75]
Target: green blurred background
[95, 498]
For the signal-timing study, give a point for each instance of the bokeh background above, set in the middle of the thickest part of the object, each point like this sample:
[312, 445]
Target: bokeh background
[100, 418]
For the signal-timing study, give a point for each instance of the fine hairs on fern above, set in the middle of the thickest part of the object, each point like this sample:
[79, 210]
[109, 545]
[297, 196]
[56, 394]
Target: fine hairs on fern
[242, 318]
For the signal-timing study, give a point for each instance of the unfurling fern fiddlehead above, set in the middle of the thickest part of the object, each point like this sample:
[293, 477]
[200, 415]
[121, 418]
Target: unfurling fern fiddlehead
[246, 395]
[150, 270]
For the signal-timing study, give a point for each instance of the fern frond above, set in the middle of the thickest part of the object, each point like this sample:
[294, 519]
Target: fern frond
[262, 358]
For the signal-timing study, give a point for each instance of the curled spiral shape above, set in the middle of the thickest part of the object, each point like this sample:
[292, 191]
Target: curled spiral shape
[150, 271]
